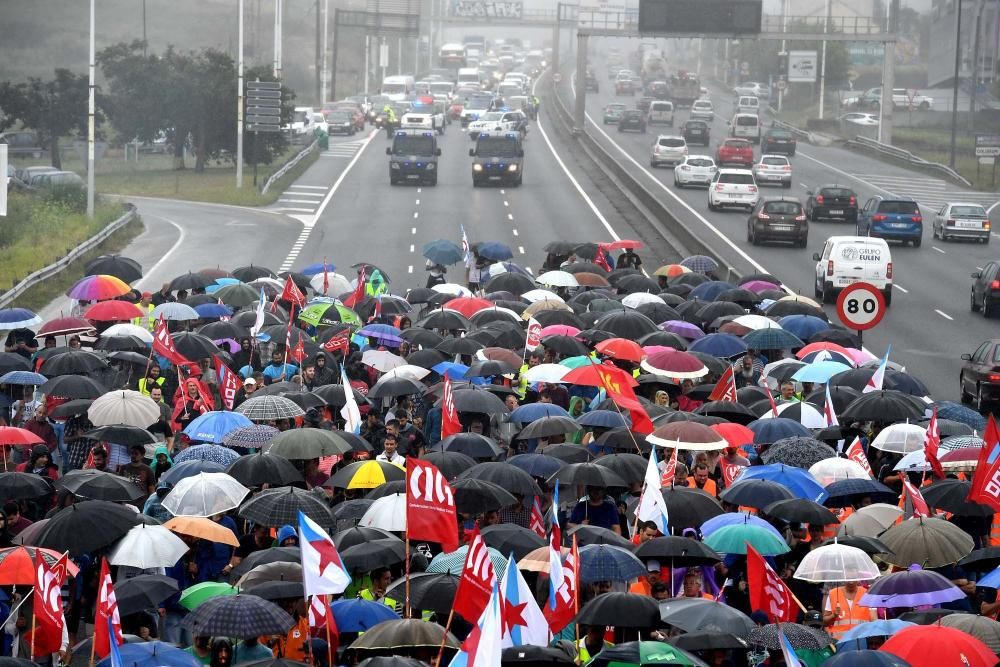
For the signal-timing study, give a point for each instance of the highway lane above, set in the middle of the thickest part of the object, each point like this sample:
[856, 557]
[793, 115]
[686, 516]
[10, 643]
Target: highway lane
[927, 323]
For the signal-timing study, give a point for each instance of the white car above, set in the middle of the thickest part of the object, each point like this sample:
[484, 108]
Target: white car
[702, 109]
[422, 121]
[961, 220]
[668, 149]
[860, 118]
[508, 121]
[773, 169]
[319, 121]
[750, 88]
[694, 170]
[732, 187]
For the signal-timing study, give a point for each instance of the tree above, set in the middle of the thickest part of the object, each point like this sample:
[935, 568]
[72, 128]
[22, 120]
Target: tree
[134, 100]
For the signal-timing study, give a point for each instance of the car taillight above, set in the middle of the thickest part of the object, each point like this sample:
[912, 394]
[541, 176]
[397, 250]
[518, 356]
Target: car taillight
[684, 167]
[763, 216]
[949, 223]
[878, 217]
[829, 267]
[787, 167]
[993, 377]
[995, 284]
[800, 218]
[853, 201]
[986, 225]
[718, 188]
[752, 188]
[819, 199]
[917, 218]
[888, 271]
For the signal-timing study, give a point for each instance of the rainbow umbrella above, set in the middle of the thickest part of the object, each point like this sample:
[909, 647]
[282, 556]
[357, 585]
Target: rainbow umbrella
[98, 288]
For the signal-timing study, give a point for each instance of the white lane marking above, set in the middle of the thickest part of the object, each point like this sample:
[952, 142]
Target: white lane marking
[308, 187]
[510, 216]
[418, 202]
[409, 269]
[939, 250]
[413, 230]
[944, 315]
[514, 231]
[296, 210]
[520, 249]
[416, 215]
[297, 201]
[419, 190]
[901, 289]
[293, 254]
[990, 209]
[979, 268]
[502, 191]
[506, 203]
[412, 247]
[182, 235]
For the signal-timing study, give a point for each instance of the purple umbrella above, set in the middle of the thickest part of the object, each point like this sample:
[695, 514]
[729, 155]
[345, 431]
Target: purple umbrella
[911, 588]
[757, 286]
[683, 329]
[732, 518]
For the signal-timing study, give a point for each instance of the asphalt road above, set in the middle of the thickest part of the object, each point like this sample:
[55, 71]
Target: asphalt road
[929, 324]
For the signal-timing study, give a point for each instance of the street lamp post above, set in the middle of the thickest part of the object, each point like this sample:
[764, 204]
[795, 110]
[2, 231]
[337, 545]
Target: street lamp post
[239, 101]
[91, 111]
[954, 89]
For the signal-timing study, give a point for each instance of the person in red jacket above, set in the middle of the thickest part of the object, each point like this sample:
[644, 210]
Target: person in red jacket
[40, 463]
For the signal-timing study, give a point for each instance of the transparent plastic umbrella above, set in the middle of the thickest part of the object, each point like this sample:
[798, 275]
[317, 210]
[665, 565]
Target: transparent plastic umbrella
[205, 494]
[835, 563]
[831, 470]
[900, 438]
[147, 547]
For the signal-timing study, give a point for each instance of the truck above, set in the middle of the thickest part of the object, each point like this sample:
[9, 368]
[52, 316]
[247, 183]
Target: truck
[685, 88]
[654, 66]
[475, 47]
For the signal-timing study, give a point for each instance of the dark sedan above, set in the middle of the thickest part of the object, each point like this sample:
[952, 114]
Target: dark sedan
[979, 379]
[697, 132]
[778, 220]
[778, 141]
[632, 119]
[832, 202]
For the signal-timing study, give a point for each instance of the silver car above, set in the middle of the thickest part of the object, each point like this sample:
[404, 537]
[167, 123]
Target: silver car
[773, 170]
[667, 149]
[694, 170]
[960, 220]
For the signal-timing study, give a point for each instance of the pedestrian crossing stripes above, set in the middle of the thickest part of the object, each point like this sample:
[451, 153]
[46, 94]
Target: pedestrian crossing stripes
[301, 198]
[343, 149]
[930, 193]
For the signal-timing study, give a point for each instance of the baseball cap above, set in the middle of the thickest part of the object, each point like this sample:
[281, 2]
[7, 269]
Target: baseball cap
[813, 619]
[652, 565]
[147, 295]
[249, 381]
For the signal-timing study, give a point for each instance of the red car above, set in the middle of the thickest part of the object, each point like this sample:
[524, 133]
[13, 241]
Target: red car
[734, 151]
[455, 108]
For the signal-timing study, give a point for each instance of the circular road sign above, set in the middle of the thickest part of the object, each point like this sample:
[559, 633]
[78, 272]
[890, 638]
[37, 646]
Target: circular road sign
[781, 84]
[860, 306]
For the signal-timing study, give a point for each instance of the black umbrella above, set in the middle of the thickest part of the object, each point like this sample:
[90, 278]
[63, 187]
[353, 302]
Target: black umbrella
[246, 318]
[842, 397]
[119, 266]
[566, 346]
[74, 407]
[546, 427]
[785, 308]
[982, 560]
[256, 470]
[276, 507]
[345, 539]
[474, 399]
[368, 556]
[664, 338]
[630, 467]
[387, 489]
[450, 463]
[846, 492]
[716, 309]
[77, 362]
[622, 440]
[275, 589]
[395, 385]
[488, 368]
[689, 508]
[585, 267]
[586, 534]
[709, 641]
[566, 453]
[587, 474]
[624, 610]
[510, 537]
[755, 493]
[473, 445]
[801, 510]
[951, 495]
[121, 343]
[550, 317]
[87, 526]
[869, 545]
[17, 485]
[430, 591]
[404, 635]
[516, 283]
[143, 591]
[445, 320]
[237, 616]
[886, 406]
[476, 496]
[223, 329]
[121, 434]
[421, 336]
[351, 510]
[680, 551]
[250, 273]
[189, 281]
[626, 324]
[534, 656]
[264, 557]
[304, 399]
[194, 346]
[733, 412]
[453, 345]
[701, 615]
[333, 394]
[799, 636]
[99, 485]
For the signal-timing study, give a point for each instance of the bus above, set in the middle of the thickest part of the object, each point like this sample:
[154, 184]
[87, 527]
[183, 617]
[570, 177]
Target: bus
[452, 57]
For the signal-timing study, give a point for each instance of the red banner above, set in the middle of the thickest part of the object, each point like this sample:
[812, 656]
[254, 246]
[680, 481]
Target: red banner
[767, 591]
[340, 342]
[106, 613]
[359, 290]
[857, 454]
[450, 424]
[163, 345]
[430, 505]
[49, 620]
[669, 470]
[725, 388]
[298, 352]
[533, 338]
[931, 442]
[537, 522]
[920, 507]
[476, 584]
[986, 482]
[292, 294]
[229, 383]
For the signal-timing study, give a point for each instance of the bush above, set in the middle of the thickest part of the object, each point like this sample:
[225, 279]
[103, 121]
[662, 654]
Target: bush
[73, 197]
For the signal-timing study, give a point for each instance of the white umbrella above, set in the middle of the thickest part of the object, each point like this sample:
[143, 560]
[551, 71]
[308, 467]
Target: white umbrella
[557, 279]
[809, 415]
[387, 513]
[835, 469]
[757, 322]
[452, 288]
[765, 375]
[541, 295]
[172, 310]
[148, 546]
[915, 461]
[870, 521]
[124, 406]
[382, 360]
[547, 373]
[900, 438]
[128, 330]
[408, 371]
[497, 268]
[636, 299]
[205, 494]
[338, 284]
[836, 563]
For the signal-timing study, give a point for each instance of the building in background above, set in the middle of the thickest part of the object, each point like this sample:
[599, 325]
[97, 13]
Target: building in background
[941, 56]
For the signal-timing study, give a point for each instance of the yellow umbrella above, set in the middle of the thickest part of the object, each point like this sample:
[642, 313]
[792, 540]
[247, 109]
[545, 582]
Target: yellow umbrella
[202, 528]
[366, 475]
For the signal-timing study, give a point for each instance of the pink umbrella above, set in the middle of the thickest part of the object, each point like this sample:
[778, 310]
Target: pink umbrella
[558, 330]
[758, 286]
[860, 357]
[675, 364]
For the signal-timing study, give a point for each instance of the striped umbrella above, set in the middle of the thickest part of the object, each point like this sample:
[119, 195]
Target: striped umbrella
[454, 562]
[270, 408]
[18, 318]
[98, 288]
[254, 436]
[366, 475]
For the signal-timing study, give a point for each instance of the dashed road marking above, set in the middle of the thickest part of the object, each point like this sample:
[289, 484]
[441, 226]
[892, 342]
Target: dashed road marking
[944, 315]
[901, 289]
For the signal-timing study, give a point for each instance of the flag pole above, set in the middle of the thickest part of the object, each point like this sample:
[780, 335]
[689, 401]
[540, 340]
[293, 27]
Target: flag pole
[576, 592]
[34, 627]
[406, 605]
[93, 647]
[621, 414]
[444, 637]
[329, 639]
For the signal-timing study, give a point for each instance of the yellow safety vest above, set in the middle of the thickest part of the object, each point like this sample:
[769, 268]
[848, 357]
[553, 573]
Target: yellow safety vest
[366, 594]
[143, 382]
[583, 654]
[146, 321]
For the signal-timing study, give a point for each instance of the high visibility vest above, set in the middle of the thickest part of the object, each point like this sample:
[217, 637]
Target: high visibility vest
[709, 487]
[146, 321]
[367, 594]
[144, 385]
[831, 530]
[854, 613]
[583, 654]
[995, 530]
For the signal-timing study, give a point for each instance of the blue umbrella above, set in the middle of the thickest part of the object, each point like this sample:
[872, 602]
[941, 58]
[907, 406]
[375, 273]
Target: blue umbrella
[845, 488]
[494, 250]
[190, 468]
[454, 371]
[317, 268]
[991, 580]
[358, 615]
[772, 339]
[707, 291]
[959, 413]
[719, 344]
[905, 383]
[733, 518]
[853, 639]
[443, 251]
[796, 480]
[151, 654]
[605, 562]
[383, 333]
[603, 419]
[532, 411]
[214, 426]
[865, 658]
[803, 326]
[766, 431]
[819, 372]
[18, 318]
[213, 310]
[26, 378]
[216, 453]
[537, 465]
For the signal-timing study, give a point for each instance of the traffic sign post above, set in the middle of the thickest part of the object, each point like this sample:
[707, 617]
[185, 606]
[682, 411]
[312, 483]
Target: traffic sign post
[861, 306]
[987, 150]
[263, 112]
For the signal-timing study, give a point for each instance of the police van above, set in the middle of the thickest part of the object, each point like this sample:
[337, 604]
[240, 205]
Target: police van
[498, 158]
[846, 260]
[413, 157]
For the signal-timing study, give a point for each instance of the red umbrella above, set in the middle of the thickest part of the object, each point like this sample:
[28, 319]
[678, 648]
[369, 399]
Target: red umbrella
[621, 348]
[17, 565]
[688, 435]
[65, 326]
[736, 435]
[822, 345]
[113, 311]
[11, 436]
[599, 375]
[939, 646]
[468, 305]
[674, 364]
[623, 245]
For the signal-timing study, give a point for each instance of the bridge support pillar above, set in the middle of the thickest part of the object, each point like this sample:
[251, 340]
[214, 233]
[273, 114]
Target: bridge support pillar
[580, 85]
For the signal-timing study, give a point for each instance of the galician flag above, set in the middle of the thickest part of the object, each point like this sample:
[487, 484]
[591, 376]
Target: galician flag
[652, 506]
[521, 617]
[483, 648]
[878, 377]
[323, 571]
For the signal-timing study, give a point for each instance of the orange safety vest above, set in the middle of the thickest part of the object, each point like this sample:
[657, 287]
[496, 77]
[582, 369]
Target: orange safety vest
[709, 487]
[853, 614]
[995, 530]
[842, 514]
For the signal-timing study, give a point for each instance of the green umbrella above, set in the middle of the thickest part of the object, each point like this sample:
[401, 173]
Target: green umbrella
[733, 540]
[191, 598]
[329, 313]
[237, 295]
[639, 654]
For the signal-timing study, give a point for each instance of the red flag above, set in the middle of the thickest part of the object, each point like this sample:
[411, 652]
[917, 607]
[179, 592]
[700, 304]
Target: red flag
[565, 594]
[326, 278]
[430, 505]
[340, 342]
[476, 584]
[774, 407]
[292, 294]
[106, 613]
[669, 470]
[537, 522]
[986, 482]
[857, 454]
[616, 383]
[920, 507]
[49, 620]
[163, 345]
[229, 383]
[730, 471]
[725, 388]
[931, 441]
[359, 290]
[298, 352]
[450, 424]
[767, 591]
[601, 258]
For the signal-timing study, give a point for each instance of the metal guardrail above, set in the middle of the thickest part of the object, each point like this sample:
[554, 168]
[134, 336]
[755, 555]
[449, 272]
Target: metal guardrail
[850, 25]
[288, 165]
[800, 133]
[907, 157]
[33, 279]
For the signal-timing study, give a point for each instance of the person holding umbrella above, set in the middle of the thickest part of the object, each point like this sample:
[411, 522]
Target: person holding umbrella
[842, 609]
[435, 274]
[592, 643]
[596, 510]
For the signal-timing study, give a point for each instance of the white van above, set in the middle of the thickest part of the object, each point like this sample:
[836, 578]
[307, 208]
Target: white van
[398, 88]
[846, 260]
[745, 126]
[661, 112]
[469, 76]
[748, 104]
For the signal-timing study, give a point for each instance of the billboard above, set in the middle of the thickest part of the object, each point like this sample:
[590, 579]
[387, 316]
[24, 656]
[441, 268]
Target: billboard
[487, 9]
[802, 66]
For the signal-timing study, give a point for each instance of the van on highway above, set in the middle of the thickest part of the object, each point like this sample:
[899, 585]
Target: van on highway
[748, 104]
[661, 113]
[469, 76]
[846, 260]
[398, 88]
[745, 126]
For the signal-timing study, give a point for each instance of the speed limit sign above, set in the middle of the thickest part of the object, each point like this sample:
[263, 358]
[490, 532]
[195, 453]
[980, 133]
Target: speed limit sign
[860, 306]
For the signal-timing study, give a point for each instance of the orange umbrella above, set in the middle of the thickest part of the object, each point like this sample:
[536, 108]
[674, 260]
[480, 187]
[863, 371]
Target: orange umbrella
[538, 560]
[622, 245]
[17, 565]
[671, 270]
[621, 348]
[586, 279]
[203, 528]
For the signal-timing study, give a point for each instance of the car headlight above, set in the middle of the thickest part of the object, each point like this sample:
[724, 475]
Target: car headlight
[512, 167]
[477, 167]
[430, 165]
[395, 165]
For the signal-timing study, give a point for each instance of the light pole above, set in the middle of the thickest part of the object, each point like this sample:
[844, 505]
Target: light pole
[91, 110]
[326, 74]
[239, 101]
[954, 88]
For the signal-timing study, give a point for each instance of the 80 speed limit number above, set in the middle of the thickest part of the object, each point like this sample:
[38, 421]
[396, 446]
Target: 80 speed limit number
[860, 306]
